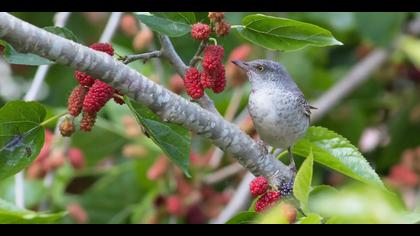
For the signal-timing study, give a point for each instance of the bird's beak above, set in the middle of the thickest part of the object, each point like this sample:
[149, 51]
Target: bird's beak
[241, 64]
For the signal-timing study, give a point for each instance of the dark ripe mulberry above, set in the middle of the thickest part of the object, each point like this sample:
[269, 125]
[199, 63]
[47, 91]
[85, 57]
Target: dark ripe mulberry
[192, 83]
[75, 100]
[98, 95]
[200, 31]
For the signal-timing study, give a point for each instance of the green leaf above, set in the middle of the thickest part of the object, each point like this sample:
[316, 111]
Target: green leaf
[410, 46]
[284, 34]
[21, 136]
[380, 28]
[112, 198]
[359, 203]
[173, 24]
[303, 180]
[243, 218]
[10, 213]
[14, 57]
[33, 188]
[337, 153]
[63, 32]
[311, 218]
[173, 139]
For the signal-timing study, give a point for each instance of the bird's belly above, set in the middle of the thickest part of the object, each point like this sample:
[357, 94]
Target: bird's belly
[277, 119]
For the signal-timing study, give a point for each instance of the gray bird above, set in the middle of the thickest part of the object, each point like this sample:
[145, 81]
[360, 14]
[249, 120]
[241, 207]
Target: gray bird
[277, 107]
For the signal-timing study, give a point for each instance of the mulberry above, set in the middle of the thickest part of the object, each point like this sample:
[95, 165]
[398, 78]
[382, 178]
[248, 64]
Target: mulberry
[98, 95]
[200, 31]
[192, 83]
[75, 100]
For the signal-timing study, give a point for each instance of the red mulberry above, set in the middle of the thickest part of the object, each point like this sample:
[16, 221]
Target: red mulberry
[267, 200]
[192, 83]
[258, 186]
[200, 31]
[75, 100]
[98, 95]
[103, 47]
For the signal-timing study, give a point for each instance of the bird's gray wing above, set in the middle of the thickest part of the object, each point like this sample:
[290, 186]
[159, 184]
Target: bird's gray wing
[306, 108]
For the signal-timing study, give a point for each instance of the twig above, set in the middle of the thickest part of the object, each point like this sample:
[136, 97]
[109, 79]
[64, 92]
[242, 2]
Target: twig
[168, 52]
[357, 75]
[224, 173]
[238, 202]
[144, 56]
[110, 27]
[60, 19]
[196, 58]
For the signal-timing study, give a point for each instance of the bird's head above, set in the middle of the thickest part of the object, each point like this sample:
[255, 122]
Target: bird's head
[263, 71]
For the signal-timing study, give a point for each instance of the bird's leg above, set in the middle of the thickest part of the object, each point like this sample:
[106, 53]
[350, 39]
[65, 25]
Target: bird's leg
[292, 164]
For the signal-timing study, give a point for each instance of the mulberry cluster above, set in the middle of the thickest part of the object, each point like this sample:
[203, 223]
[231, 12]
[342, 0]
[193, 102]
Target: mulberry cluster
[212, 76]
[92, 94]
[259, 186]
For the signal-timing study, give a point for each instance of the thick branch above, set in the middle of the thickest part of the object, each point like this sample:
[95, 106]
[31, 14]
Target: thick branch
[169, 106]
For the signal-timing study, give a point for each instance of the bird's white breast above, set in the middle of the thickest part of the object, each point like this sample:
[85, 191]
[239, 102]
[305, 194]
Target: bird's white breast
[277, 117]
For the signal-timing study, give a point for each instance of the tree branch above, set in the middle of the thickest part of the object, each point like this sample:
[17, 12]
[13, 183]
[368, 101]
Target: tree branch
[168, 52]
[168, 105]
[144, 56]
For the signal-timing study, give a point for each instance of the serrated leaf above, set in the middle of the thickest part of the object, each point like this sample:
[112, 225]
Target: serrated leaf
[284, 34]
[303, 180]
[63, 32]
[243, 218]
[311, 218]
[337, 153]
[173, 139]
[14, 57]
[11, 214]
[174, 24]
[21, 136]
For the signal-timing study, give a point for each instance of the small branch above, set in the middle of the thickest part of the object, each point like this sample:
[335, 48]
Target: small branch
[144, 56]
[238, 202]
[168, 52]
[223, 173]
[110, 27]
[356, 76]
[196, 58]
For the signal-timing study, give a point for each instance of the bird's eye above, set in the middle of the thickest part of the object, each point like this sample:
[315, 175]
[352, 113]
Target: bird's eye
[260, 68]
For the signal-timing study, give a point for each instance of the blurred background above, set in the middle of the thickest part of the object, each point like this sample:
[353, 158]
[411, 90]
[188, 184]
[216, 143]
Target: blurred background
[115, 174]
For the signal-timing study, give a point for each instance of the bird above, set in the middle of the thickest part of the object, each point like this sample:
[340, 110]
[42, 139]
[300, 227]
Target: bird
[278, 108]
